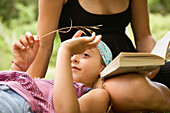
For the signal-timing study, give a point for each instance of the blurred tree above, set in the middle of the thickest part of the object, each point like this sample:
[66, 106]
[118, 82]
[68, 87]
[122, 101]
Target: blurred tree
[17, 17]
[159, 6]
[166, 5]
[9, 9]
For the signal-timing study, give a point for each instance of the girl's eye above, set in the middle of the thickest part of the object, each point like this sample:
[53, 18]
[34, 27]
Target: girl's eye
[85, 55]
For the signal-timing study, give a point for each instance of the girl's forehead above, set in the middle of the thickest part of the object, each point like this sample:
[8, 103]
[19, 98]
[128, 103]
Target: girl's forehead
[93, 50]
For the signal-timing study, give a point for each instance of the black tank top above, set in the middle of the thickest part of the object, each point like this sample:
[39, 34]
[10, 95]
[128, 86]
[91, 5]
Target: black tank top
[112, 30]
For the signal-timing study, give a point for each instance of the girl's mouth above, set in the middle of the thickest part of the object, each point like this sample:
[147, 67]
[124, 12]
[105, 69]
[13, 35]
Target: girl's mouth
[75, 68]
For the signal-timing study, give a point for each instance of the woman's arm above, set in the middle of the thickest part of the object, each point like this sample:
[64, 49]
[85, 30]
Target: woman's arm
[140, 25]
[49, 14]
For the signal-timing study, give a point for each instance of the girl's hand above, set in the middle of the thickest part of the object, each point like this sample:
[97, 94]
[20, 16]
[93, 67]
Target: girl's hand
[25, 50]
[79, 44]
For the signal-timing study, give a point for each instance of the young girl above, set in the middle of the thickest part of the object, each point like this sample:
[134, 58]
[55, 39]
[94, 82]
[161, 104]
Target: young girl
[135, 93]
[61, 95]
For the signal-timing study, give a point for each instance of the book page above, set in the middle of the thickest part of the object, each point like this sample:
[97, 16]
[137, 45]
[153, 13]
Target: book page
[162, 46]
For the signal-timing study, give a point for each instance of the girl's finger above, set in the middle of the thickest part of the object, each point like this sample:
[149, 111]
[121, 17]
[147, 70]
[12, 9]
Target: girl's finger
[93, 36]
[17, 44]
[96, 41]
[21, 37]
[90, 39]
[78, 34]
[29, 37]
[36, 38]
[24, 41]
[35, 47]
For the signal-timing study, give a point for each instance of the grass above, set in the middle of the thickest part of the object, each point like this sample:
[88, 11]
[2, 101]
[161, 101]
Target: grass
[5, 56]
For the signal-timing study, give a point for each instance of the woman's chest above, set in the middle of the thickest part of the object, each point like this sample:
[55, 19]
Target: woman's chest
[104, 7]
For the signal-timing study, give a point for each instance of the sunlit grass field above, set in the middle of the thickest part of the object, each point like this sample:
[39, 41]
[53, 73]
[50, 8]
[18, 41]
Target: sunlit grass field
[159, 24]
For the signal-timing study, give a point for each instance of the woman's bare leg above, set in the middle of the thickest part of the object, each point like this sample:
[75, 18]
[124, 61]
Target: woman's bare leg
[134, 92]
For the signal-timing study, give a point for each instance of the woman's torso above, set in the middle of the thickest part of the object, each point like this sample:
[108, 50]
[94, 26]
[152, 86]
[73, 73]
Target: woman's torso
[113, 19]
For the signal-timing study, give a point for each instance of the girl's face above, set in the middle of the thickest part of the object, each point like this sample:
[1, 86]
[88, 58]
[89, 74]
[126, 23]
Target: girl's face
[87, 66]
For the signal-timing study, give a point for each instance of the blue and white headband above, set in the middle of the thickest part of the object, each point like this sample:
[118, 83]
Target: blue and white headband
[105, 52]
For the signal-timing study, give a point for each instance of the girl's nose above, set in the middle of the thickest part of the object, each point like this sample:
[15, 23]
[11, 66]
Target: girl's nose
[75, 58]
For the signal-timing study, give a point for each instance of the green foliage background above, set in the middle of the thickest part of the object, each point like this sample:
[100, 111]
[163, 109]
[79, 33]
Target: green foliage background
[19, 16]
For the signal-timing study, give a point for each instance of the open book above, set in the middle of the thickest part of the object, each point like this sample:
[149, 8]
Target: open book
[127, 62]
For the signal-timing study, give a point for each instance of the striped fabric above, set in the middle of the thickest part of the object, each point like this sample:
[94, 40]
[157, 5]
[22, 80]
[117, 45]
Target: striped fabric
[38, 92]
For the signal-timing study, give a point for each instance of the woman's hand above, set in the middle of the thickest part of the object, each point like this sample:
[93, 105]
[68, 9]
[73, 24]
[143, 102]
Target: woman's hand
[25, 50]
[153, 73]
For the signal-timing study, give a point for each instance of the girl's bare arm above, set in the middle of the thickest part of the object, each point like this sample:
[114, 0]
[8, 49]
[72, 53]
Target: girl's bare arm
[64, 95]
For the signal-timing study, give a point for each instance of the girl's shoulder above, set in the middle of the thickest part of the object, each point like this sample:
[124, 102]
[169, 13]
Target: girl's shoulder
[94, 98]
[81, 89]
[99, 92]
